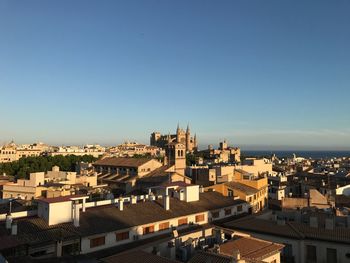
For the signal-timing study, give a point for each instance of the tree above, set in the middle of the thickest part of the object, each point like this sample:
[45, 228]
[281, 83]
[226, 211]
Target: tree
[24, 166]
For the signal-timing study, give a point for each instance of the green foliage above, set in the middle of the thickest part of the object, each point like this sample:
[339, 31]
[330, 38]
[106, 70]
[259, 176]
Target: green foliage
[190, 159]
[138, 156]
[24, 166]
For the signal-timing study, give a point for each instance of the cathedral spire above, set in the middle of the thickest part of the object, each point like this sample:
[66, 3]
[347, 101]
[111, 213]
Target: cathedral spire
[188, 128]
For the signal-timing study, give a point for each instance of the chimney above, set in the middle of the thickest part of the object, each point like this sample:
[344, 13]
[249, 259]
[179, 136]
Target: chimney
[14, 229]
[166, 200]
[133, 199]
[216, 248]
[313, 222]
[84, 207]
[152, 197]
[8, 221]
[121, 204]
[201, 189]
[76, 214]
[236, 254]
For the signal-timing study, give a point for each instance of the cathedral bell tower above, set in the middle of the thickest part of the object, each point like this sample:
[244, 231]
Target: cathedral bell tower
[177, 156]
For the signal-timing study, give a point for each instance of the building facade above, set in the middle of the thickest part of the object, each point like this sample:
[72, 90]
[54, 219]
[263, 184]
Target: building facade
[181, 136]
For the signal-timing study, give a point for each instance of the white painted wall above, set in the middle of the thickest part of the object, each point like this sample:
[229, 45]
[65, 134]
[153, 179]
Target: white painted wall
[60, 213]
[192, 193]
[110, 239]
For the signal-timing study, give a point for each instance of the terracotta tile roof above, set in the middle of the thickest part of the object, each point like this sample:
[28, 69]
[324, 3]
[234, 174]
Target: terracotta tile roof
[158, 175]
[111, 219]
[137, 257]
[242, 187]
[253, 224]
[294, 230]
[251, 248]
[207, 257]
[35, 230]
[9, 242]
[122, 162]
[59, 199]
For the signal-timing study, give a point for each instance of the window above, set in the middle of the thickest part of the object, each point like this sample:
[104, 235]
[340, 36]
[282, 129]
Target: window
[229, 192]
[199, 218]
[182, 221]
[311, 254]
[148, 230]
[164, 226]
[239, 208]
[331, 255]
[228, 211]
[122, 236]
[215, 214]
[98, 241]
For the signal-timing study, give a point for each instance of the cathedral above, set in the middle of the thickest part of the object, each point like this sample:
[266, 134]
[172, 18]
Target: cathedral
[181, 136]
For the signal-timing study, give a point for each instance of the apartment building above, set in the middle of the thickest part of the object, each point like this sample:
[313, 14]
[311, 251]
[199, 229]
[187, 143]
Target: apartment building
[50, 184]
[71, 225]
[313, 239]
[247, 187]
[129, 149]
[11, 152]
[129, 174]
[241, 249]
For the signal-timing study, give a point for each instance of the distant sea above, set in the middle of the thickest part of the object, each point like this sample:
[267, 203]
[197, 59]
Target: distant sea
[305, 154]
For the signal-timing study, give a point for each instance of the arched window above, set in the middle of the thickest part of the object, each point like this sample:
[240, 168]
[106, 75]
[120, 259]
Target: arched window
[178, 153]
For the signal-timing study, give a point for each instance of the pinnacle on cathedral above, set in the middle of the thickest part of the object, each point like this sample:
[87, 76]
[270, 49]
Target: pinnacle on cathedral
[181, 136]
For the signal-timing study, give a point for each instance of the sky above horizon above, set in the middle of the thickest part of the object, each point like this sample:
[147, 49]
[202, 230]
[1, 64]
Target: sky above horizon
[262, 74]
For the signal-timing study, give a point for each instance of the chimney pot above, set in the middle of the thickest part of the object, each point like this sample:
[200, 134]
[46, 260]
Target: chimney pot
[236, 254]
[76, 214]
[8, 221]
[133, 199]
[14, 229]
[121, 204]
[166, 200]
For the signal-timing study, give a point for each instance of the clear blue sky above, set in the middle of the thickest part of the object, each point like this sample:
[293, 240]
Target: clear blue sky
[262, 74]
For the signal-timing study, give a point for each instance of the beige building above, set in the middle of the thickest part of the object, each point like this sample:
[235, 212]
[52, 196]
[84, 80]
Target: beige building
[256, 166]
[11, 152]
[51, 184]
[181, 136]
[305, 241]
[163, 223]
[129, 149]
[129, 174]
[224, 154]
[94, 150]
[250, 249]
[8, 153]
[246, 186]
